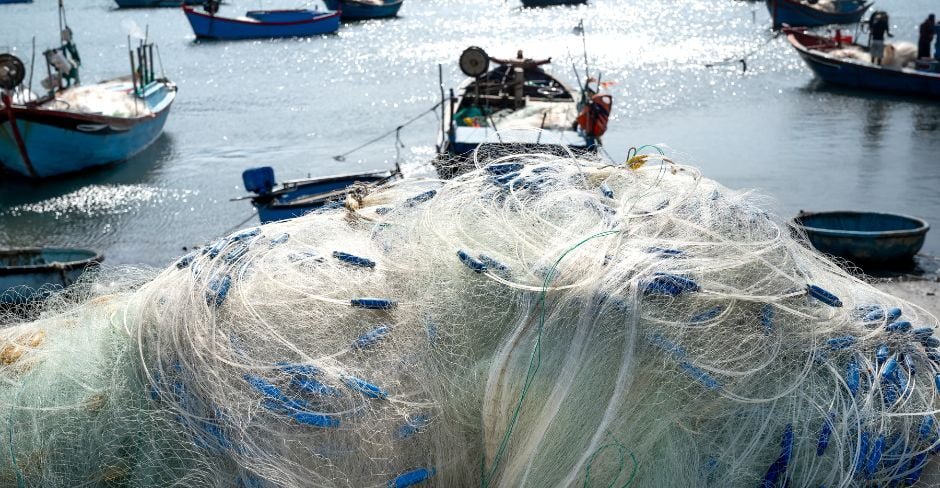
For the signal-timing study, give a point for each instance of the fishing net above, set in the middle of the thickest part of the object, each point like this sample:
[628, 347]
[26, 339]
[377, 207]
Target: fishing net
[539, 321]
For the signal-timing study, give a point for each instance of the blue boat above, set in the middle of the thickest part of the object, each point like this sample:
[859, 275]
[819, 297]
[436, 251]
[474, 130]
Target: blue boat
[863, 237]
[15, 1]
[294, 198]
[156, 3]
[516, 105]
[817, 51]
[75, 127]
[550, 3]
[259, 24]
[364, 9]
[803, 13]
[35, 273]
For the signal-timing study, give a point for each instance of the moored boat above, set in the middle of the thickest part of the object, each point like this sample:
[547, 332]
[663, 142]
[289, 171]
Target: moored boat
[805, 13]
[29, 274]
[74, 127]
[260, 24]
[863, 237]
[848, 65]
[365, 9]
[294, 198]
[550, 3]
[516, 105]
[15, 1]
[156, 3]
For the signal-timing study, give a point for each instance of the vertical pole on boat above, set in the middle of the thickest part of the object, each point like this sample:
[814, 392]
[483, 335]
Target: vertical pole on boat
[587, 71]
[61, 15]
[150, 60]
[440, 81]
[32, 64]
[450, 124]
[130, 54]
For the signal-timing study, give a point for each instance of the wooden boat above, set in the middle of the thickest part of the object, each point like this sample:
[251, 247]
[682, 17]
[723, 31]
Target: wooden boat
[261, 23]
[516, 105]
[156, 3]
[819, 53]
[365, 9]
[294, 198]
[550, 3]
[802, 13]
[863, 237]
[91, 125]
[34, 273]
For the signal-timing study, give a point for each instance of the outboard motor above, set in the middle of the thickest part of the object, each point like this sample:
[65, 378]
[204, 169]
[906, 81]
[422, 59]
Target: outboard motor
[259, 180]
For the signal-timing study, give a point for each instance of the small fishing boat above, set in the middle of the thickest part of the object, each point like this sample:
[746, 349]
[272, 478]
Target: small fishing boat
[516, 105]
[34, 273]
[863, 237]
[15, 1]
[808, 13]
[259, 24]
[74, 127]
[365, 9]
[156, 3]
[294, 198]
[550, 3]
[845, 64]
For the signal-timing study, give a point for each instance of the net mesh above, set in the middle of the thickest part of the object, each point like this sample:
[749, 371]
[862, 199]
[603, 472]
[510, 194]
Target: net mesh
[541, 320]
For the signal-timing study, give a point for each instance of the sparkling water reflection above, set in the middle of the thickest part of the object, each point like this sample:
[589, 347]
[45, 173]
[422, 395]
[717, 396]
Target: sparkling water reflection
[293, 104]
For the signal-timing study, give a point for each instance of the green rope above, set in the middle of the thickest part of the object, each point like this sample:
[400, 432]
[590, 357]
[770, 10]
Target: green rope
[534, 361]
[620, 452]
[19, 474]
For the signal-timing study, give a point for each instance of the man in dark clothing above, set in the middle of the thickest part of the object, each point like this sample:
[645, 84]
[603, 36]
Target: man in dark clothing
[878, 23]
[926, 35]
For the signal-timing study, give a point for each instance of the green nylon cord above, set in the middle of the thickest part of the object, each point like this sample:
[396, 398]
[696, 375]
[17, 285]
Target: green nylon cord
[534, 361]
[19, 475]
[620, 451]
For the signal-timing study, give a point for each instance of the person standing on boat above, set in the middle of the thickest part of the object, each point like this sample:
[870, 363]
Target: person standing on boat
[878, 23]
[936, 52]
[926, 35]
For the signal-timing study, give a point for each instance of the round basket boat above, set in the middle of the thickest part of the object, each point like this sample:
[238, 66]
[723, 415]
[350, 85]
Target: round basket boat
[29, 274]
[863, 237]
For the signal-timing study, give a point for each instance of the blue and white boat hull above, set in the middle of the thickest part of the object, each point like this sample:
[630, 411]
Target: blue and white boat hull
[215, 27]
[295, 198]
[795, 13]
[353, 10]
[156, 3]
[32, 274]
[854, 74]
[39, 143]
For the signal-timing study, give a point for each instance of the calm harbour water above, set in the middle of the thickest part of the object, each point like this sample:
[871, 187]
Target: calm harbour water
[293, 104]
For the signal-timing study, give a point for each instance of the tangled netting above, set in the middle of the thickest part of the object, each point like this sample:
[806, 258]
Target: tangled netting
[540, 321]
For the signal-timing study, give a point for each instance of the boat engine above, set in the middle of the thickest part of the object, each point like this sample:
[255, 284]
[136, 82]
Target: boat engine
[12, 71]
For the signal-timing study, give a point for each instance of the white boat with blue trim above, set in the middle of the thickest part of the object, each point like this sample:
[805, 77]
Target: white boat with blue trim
[74, 127]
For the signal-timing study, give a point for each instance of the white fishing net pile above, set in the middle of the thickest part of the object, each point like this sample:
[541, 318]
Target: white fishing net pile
[541, 321]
